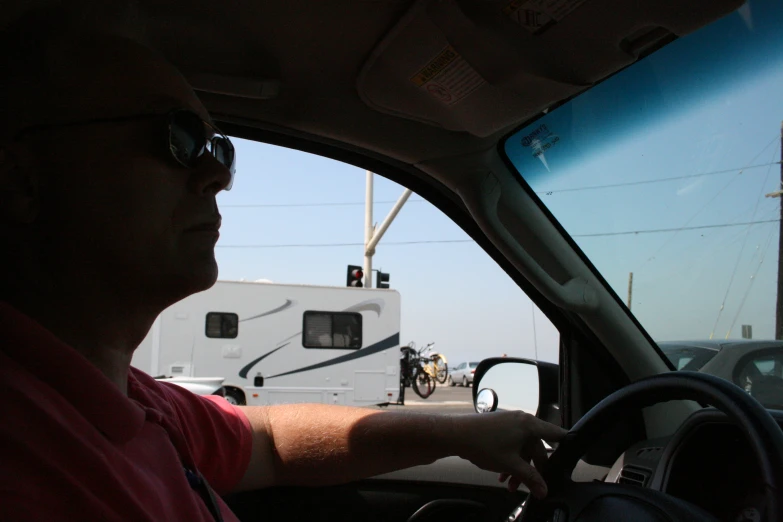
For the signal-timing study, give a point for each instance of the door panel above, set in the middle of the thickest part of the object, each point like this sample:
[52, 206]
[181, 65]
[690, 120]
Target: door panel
[377, 500]
[451, 470]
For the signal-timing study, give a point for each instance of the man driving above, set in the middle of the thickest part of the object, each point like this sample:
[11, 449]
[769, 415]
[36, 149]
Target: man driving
[109, 171]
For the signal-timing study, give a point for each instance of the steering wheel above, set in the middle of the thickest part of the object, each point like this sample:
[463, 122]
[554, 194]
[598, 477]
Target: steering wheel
[598, 501]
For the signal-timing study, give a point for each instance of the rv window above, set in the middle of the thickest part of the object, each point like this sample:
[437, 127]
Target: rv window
[222, 325]
[332, 330]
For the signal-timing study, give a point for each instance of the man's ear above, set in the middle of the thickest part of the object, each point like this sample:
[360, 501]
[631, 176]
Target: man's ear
[19, 187]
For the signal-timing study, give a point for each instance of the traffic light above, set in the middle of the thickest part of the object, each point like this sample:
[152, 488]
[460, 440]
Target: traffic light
[382, 280]
[355, 276]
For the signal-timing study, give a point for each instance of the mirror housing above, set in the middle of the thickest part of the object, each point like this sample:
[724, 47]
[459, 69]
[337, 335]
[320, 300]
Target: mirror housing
[548, 407]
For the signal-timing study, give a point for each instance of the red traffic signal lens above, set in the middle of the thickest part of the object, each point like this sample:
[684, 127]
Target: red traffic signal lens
[355, 276]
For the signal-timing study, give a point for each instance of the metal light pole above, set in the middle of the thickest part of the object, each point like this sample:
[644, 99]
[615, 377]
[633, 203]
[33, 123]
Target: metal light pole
[369, 230]
[371, 236]
[376, 237]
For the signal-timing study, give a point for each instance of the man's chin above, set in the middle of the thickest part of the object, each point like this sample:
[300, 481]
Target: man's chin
[183, 282]
[203, 278]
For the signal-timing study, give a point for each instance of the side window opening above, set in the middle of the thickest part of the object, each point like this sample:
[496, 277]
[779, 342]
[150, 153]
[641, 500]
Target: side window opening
[222, 325]
[340, 330]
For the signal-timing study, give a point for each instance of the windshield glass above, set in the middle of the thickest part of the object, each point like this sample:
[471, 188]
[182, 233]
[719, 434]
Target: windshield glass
[667, 175]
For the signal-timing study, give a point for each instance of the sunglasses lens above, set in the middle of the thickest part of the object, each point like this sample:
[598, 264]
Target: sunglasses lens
[224, 152]
[187, 137]
[188, 142]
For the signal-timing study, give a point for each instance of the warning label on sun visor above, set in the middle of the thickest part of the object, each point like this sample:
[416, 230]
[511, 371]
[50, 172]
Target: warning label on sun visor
[537, 15]
[448, 77]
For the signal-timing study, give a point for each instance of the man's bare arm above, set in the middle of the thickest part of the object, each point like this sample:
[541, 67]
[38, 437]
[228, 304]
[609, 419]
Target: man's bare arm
[318, 445]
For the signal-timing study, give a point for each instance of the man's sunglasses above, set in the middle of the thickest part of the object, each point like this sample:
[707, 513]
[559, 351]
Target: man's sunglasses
[189, 137]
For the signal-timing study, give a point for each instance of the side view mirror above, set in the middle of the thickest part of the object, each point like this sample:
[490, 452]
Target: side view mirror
[507, 383]
[486, 401]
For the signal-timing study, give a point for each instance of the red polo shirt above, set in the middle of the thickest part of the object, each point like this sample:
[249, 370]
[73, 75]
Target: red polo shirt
[73, 447]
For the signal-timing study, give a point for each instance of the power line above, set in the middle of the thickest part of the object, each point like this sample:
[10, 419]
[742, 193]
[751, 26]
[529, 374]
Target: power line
[739, 258]
[329, 245]
[723, 244]
[744, 239]
[677, 229]
[714, 197]
[705, 252]
[657, 180]
[336, 204]
[750, 284]
[541, 192]
[454, 241]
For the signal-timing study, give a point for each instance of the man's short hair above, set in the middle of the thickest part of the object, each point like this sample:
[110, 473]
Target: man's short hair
[26, 44]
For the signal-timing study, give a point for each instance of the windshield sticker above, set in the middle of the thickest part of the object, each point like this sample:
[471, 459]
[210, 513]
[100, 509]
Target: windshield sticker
[539, 141]
[538, 15]
[448, 77]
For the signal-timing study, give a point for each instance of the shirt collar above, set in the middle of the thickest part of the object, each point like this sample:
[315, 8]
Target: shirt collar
[69, 373]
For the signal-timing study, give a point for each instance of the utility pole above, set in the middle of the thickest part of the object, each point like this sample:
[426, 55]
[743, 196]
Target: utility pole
[779, 300]
[369, 230]
[630, 289]
[371, 236]
[535, 335]
[779, 307]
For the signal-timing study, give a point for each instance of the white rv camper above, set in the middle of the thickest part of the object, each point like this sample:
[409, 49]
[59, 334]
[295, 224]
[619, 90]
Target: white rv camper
[278, 344]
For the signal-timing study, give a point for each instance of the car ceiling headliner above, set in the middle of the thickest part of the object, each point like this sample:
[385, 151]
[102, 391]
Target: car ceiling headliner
[337, 62]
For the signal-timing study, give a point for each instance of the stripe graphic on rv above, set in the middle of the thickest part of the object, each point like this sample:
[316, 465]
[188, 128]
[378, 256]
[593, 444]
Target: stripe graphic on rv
[243, 371]
[389, 342]
[288, 304]
[371, 305]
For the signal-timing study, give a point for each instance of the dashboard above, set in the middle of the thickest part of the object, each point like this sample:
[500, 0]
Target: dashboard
[707, 462]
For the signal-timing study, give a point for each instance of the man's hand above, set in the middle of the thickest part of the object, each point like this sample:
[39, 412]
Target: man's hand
[507, 442]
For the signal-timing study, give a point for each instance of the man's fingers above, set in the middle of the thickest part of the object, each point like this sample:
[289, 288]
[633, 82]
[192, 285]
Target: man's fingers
[503, 477]
[538, 454]
[527, 474]
[514, 484]
[544, 430]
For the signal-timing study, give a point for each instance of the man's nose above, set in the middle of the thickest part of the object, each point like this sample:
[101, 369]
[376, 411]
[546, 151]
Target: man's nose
[210, 176]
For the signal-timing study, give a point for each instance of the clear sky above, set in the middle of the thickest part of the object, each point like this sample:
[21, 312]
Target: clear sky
[707, 104]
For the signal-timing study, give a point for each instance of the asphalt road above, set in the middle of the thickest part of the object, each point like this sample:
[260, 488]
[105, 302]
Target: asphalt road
[445, 399]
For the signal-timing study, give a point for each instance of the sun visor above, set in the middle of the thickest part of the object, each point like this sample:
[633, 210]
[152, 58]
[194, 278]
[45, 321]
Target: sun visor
[479, 67]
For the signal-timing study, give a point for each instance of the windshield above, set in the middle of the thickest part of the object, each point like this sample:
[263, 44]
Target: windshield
[474, 365]
[667, 175]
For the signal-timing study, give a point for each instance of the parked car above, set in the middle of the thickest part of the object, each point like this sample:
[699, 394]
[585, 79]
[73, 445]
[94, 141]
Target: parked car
[755, 366]
[691, 355]
[462, 374]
